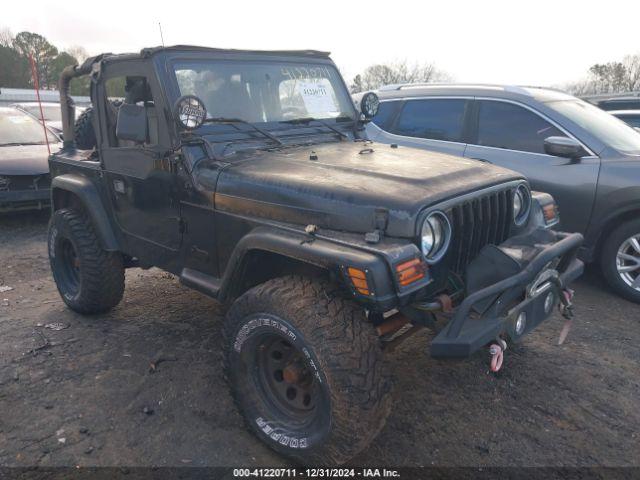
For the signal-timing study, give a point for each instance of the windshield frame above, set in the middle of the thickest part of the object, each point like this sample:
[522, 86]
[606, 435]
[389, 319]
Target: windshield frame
[173, 89]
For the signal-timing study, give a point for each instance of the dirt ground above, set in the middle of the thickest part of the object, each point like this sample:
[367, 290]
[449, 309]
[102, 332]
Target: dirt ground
[87, 394]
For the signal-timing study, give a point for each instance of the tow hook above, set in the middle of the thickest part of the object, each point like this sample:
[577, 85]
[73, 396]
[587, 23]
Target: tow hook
[566, 309]
[496, 350]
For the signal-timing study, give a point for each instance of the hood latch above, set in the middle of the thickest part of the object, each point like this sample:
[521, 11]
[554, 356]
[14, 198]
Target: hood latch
[381, 220]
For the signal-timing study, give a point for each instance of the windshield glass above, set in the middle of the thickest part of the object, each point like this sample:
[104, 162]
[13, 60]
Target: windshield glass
[265, 92]
[604, 126]
[19, 128]
[51, 113]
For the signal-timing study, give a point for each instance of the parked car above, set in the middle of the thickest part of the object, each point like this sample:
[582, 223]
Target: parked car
[631, 117]
[247, 175]
[24, 169]
[588, 160]
[615, 101]
[50, 110]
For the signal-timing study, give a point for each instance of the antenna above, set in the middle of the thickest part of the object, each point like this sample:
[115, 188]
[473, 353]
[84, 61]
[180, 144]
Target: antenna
[161, 37]
[36, 85]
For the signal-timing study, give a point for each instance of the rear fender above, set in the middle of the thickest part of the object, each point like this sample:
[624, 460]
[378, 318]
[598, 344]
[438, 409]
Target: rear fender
[89, 197]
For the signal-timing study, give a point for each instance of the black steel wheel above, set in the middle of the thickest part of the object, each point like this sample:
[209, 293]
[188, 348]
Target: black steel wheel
[306, 370]
[69, 271]
[285, 378]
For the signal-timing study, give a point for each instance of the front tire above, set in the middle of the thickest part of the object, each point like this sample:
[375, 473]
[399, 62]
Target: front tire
[89, 279]
[620, 260]
[306, 370]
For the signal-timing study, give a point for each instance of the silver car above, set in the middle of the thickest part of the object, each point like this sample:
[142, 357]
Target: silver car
[587, 159]
[630, 117]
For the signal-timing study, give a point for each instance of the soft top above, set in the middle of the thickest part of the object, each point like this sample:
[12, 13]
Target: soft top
[151, 51]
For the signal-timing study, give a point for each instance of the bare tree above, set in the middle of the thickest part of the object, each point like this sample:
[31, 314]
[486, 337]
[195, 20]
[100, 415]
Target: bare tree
[632, 65]
[78, 52]
[376, 76]
[611, 77]
[6, 38]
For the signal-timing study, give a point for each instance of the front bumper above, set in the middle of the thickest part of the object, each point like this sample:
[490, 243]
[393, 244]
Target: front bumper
[547, 264]
[14, 200]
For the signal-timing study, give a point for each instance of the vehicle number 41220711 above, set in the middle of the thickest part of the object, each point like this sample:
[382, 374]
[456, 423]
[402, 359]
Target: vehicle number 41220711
[315, 473]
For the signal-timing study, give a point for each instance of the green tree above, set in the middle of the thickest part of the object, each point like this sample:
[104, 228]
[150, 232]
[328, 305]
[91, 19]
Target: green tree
[80, 86]
[14, 69]
[57, 65]
[44, 53]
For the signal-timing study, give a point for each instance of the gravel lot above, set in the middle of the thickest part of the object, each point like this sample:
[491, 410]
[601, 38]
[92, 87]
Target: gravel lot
[89, 394]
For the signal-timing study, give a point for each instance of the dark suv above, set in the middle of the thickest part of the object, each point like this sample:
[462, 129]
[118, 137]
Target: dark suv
[249, 176]
[587, 159]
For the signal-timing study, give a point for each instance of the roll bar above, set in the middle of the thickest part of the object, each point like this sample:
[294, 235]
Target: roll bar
[67, 105]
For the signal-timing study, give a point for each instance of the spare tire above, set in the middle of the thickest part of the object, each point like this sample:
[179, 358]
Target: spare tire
[83, 134]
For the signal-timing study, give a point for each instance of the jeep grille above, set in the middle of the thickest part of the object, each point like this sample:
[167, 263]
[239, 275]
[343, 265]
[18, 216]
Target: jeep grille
[477, 222]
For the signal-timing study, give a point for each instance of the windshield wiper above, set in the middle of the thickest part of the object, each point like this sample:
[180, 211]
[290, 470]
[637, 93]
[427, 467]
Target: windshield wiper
[307, 120]
[239, 120]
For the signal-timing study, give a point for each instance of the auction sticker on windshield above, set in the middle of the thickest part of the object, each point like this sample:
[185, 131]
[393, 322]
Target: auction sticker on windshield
[317, 97]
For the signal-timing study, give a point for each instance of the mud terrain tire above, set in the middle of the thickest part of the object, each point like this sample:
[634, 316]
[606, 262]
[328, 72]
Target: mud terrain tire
[83, 133]
[89, 279]
[341, 356]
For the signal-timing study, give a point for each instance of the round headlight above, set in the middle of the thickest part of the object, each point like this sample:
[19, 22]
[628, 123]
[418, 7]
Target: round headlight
[521, 204]
[435, 236]
[369, 105]
[517, 204]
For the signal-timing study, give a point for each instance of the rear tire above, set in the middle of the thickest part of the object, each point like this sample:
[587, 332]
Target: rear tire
[89, 279]
[306, 370]
[620, 260]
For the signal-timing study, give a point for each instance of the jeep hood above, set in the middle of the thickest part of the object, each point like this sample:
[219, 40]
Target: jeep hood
[344, 186]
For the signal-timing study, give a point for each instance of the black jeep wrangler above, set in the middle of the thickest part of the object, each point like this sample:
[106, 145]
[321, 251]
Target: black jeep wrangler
[248, 175]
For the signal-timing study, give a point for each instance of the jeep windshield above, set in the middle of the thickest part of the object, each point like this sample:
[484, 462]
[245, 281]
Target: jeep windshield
[266, 92]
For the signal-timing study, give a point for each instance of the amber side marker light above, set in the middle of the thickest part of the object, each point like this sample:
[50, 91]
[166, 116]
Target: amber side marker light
[411, 271]
[359, 280]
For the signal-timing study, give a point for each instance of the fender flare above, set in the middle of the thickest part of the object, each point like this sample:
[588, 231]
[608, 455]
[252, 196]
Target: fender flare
[87, 192]
[320, 252]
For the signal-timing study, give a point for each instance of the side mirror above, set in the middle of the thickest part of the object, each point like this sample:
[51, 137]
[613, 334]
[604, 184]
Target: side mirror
[563, 147]
[369, 105]
[132, 123]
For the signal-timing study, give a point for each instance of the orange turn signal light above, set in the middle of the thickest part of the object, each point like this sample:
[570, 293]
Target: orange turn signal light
[359, 279]
[411, 271]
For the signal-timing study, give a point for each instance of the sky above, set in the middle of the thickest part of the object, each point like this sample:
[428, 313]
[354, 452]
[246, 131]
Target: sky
[539, 42]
